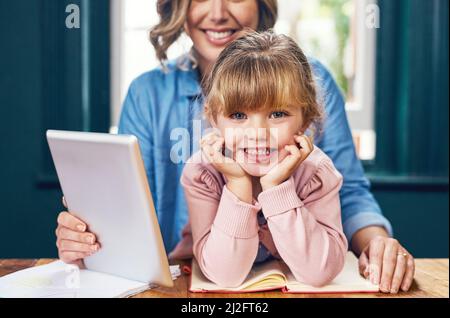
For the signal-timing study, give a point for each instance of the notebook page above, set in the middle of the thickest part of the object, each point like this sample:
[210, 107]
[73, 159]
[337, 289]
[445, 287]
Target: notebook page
[264, 276]
[348, 281]
[59, 280]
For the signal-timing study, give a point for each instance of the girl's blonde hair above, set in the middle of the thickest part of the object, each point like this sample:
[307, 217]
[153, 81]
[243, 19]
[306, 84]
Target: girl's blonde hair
[173, 15]
[262, 71]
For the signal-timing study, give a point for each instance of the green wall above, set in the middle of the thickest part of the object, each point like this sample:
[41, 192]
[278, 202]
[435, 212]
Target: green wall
[44, 68]
[410, 172]
[419, 218]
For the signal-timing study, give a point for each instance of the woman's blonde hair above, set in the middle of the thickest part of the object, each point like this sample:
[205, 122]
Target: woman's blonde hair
[173, 15]
[262, 71]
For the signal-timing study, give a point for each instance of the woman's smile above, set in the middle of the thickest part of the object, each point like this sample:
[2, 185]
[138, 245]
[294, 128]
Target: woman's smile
[220, 37]
[212, 25]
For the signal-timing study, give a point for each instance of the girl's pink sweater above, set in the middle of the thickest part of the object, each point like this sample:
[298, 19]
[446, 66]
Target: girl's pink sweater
[303, 228]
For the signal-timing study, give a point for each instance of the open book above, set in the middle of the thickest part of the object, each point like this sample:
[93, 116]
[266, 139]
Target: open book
[276, 275]
[59, 280]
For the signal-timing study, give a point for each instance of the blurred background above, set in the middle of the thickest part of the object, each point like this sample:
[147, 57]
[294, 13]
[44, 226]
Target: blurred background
[390, 59]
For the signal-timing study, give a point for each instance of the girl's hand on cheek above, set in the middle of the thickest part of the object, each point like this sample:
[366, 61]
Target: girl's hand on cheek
[212, 146]
[284, 170]
[239, 182]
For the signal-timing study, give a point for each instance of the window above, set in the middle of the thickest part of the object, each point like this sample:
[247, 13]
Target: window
[336, 33]
[132, 52]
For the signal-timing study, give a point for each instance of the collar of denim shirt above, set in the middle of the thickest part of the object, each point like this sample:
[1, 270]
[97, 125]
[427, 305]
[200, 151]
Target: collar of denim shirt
[188, 79]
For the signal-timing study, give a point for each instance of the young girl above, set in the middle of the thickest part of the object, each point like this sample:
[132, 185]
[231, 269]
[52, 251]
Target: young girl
[259, 189]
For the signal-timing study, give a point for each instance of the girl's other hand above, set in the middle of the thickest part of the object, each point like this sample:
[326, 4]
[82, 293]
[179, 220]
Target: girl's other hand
[238, 181]
[74, 242]
[284, 170]
[388, 264]
[212, 146]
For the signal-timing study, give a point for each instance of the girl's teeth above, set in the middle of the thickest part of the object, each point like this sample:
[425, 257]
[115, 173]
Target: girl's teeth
[219, 35]
[259, 152]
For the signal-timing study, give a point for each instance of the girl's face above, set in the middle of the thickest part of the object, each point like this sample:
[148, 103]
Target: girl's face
[213, 24]
[256, 140]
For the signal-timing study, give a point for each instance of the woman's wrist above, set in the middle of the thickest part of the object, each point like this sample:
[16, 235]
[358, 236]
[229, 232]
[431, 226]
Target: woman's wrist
[241, 187]
[362, 238]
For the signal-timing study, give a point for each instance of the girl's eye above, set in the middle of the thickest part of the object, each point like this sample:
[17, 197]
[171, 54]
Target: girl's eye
[276, 115]
[238, 116]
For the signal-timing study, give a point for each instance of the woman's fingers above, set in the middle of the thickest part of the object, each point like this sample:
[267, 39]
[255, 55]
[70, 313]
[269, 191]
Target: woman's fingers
[69, 257]
[66, 219]
[399, 273]
[389, 262]
[363, 265]
[390, 265]
[72, 246]
[65, 233]
[376, 251]
[409, 275]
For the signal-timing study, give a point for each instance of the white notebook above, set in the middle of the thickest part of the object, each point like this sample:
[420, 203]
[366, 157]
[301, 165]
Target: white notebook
[59, 280]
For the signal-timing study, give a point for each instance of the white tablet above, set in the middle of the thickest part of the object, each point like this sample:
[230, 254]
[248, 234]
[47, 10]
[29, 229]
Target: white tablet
[103, 180]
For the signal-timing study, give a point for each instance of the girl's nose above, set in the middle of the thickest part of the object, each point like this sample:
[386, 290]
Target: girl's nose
[257, 134]
[218, 11]
[260, 125]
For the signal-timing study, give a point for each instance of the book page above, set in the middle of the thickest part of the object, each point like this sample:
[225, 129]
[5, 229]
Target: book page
[59, 280]
[348, 281]
[262, 277]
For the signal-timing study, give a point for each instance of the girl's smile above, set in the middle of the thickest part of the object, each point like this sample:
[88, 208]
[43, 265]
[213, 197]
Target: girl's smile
[256, 139]
[260, 155]
[259, 161]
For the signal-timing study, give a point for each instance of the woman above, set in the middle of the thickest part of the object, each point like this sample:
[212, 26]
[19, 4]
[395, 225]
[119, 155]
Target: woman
[170, 97]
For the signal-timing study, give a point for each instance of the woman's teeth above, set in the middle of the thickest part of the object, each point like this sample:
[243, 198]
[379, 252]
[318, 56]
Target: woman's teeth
[219, 35]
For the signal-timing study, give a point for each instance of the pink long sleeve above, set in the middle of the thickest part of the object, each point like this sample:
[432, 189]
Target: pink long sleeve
[303, 215]
[306, 227]
[224, 229]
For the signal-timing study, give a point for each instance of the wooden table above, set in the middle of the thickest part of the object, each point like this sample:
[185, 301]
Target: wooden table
[431, 280]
